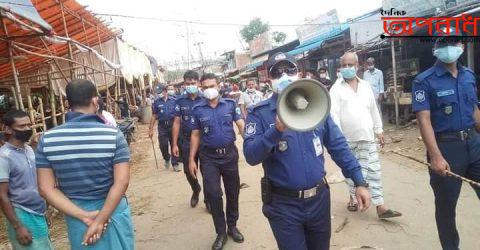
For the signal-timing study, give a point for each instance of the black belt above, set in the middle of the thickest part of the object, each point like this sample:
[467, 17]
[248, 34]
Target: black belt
[218, 151]
[456, 136]
[302, 194]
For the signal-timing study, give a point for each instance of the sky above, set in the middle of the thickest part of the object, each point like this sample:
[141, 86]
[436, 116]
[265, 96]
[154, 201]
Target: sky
[167, 42]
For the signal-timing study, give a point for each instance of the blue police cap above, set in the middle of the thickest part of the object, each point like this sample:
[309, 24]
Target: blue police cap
[448, 37]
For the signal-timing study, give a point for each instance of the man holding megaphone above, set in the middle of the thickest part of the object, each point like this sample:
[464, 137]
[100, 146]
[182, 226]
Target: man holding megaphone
[286, 133]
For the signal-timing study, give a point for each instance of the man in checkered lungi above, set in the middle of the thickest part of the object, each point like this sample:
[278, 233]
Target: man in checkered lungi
[354, 110]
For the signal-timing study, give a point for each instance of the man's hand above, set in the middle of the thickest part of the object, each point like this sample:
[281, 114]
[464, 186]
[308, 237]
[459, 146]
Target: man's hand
[175, 150]
[439, 165]
[193, 168]
[94, 232]
[24, 237]
[363, 198]
[150, 133]
[381, 140]
[89, 217]
[279, 125]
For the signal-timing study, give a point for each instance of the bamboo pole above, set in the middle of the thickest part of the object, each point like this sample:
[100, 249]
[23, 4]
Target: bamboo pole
[395, 92]
[15, 97]
[133, 94]
[103, 67]
[70, 51]
[53, 105]
[42, 114]
[14, 70]
[32, 115]
[117, 92]
[62, 107]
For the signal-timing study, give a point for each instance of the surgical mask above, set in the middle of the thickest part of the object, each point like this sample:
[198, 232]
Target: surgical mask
[323, 75]
[191, 89]
[280, 84]
[22, 135]
[251, 91]
[448, 54]
[171, 92]
[210, 93]
[348, 72]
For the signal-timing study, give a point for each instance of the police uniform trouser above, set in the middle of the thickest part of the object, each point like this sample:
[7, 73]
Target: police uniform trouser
[165, 140]
[464, 159]
[300, 224]
[224, 165]
[185, 157]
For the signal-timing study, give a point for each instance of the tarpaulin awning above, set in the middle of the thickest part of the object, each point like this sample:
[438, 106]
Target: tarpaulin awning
[25, 9]
[318, 41]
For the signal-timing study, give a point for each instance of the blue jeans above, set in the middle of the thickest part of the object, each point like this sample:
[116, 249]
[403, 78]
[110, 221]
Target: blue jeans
[300, 224]
[464, 159]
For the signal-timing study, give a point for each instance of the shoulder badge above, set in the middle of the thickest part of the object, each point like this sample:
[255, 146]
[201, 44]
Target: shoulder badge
[420, 96]
[282, 145]
[250, 129]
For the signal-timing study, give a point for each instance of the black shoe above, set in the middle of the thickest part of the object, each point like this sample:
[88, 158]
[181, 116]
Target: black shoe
[219, 242]
[235, 234]
[209, 208]
[194, 199]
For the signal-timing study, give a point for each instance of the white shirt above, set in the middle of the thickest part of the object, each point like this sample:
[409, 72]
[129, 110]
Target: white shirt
[250, 99]
[109, 118]
[375, 79]
[355, 113]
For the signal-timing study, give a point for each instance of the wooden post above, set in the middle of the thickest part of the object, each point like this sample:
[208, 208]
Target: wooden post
[53, 105]
[62, 107]
[32, 115]
[70, 51]
[117, 85]
[133, 94]
[14, 69]
[42, 114]
[14, 93]
[395, 92]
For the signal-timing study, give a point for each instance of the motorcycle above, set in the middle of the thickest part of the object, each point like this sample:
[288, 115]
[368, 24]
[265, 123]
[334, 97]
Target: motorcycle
[127, 127]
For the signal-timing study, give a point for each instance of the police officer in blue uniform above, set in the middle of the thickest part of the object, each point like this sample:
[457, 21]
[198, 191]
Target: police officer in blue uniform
[164, 111]
[182, 126]
[295, 195]
[213, 137]
[444, 99]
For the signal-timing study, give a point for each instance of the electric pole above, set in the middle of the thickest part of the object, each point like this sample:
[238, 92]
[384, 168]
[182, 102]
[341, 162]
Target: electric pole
[188, 45]
[199, 44]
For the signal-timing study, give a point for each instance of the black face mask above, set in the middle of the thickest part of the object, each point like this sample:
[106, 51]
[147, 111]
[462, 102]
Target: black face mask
[23, 136]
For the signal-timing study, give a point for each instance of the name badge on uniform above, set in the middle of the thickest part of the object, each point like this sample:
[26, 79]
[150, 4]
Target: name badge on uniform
[317, 144]
[282, 146]
[445, 92]
[448, 109]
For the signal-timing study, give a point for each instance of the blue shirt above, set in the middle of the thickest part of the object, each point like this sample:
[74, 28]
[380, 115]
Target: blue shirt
[215, 124]
[291, 159]
[450, 100]
[82, 153]
[375, 79]
[165, 110]
[183, 109]
[17, 168]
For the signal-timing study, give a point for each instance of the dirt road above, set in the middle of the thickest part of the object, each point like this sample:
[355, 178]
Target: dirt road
[164, 220]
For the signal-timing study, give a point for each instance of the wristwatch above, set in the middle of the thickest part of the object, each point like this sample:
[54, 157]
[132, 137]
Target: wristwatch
[362, 184]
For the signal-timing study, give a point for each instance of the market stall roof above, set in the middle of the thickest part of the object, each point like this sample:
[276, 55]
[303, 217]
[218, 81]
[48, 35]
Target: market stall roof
[25, 9]
[28, 33]
[317, 42]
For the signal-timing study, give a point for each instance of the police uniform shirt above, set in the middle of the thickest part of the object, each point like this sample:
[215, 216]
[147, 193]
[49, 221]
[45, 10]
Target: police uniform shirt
[215, 124]
[295, 160]
[183, 110]
[451, 101]
[165, 110]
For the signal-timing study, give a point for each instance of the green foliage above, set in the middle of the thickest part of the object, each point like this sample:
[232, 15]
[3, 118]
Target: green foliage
[279, 37]
[255, 28]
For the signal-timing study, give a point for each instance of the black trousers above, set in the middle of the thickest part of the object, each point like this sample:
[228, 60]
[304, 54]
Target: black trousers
[165, 140]
[185, 157]
[215, 166]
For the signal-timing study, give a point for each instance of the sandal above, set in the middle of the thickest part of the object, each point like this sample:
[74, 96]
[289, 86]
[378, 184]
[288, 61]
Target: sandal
[352, 206]
[389, 214]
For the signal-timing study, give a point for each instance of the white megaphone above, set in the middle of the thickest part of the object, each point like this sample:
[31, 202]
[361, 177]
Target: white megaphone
[303, 105]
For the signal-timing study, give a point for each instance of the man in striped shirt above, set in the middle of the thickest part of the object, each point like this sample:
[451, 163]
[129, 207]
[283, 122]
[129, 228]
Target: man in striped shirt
[83, 171]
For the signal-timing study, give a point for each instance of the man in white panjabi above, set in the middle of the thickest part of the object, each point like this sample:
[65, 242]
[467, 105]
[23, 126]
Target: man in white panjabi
[354, 110]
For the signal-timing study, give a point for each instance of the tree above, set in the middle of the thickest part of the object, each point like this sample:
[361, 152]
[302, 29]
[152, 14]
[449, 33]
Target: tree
[255, 28]
[279, 37]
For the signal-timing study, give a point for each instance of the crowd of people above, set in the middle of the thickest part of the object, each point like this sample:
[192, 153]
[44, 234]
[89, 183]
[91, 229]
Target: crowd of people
[82, 167]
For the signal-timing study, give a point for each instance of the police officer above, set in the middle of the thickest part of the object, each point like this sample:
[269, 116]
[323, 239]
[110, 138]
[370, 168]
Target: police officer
[444, 99]
[182, 121]
[296, 198]
[164, 111]
[214, 137]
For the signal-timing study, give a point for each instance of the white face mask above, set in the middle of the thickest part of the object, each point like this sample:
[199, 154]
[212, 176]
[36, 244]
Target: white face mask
[210, 93]
[279, 84]
[323, 75]
[171, 92]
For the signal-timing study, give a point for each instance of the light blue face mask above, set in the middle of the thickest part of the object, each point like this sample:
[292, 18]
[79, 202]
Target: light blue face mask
[448, 54]
[191, 89]
[348, 72]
